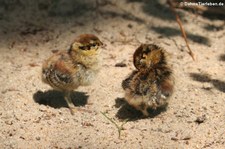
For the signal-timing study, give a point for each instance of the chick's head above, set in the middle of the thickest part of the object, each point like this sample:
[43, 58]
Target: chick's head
[86, 45]
[148, 55]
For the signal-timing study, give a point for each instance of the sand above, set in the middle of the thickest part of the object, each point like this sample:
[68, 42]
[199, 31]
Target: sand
[32, 115]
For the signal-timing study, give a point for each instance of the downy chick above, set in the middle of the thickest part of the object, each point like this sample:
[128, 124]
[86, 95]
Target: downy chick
[78, 66]
[151, 84]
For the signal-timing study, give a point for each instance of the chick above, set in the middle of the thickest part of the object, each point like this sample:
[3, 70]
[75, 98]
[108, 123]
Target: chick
[152, 83]
[78, 66]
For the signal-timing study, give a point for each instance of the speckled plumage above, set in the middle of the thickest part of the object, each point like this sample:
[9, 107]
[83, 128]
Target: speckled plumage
[78, 66]
[151, 84]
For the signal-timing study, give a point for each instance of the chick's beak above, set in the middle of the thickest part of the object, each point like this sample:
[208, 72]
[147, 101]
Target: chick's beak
[100, 42]
[103, 45]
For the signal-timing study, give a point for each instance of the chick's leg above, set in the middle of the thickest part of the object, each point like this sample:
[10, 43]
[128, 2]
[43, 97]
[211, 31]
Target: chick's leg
[67, 96]
[145, 112]
[143, 108]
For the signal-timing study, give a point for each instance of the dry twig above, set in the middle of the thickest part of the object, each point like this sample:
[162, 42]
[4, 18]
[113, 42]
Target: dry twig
[181, 28]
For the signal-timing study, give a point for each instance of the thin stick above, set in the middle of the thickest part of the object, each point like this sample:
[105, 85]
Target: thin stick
[119, 128]
[182, 30]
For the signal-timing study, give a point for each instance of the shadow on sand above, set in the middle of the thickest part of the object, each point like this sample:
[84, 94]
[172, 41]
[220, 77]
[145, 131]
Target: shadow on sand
[55, 98]
[218, 84]
[128, 112]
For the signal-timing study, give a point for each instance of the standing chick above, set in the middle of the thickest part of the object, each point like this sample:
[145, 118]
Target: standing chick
[151, 85]
[78, 66]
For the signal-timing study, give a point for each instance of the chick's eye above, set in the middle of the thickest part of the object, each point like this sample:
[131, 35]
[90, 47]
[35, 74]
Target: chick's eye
[82, 47]
[146, 51]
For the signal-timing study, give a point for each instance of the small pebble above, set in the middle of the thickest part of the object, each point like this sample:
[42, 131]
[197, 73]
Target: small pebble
[200, 119]
[130, 25]
[121, 64]
[38, 138]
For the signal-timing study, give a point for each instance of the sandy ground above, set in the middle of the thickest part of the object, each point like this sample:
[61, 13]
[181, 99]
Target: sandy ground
[32, 115]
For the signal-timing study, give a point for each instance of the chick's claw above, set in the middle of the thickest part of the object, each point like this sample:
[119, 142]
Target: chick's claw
[73, 110]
